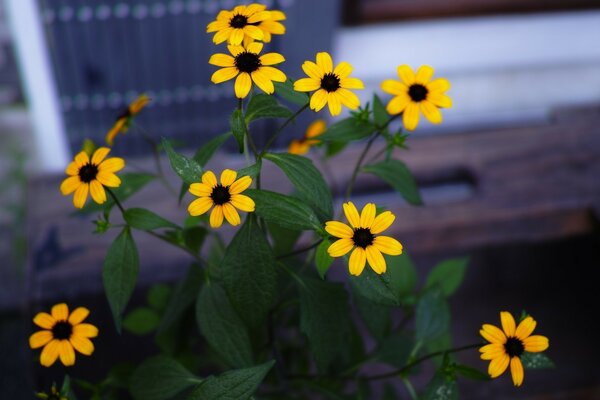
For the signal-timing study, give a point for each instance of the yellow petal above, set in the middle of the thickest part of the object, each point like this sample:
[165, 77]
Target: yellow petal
[82, 344]
[312, 70]
[431, 112]
[498, 366]
[81, 159]
[439, 85]
[298, 147]
[231, 214]
[318, 100]
[492, 334]
[424, 74]
[216, 217]
[273, 74]
[255, 47]
[338, 229]
[340, 247]
[536, 343]
[85, 330]
[406, 74]
[114, 131]
[271, 59]
[138, 104]
[260, 16]
[235, 50]
[78, 315]
[200, 189]
[222, 60]
[388, 245]
[50, 353]
[243, 84]
[508, 323]
[209, 178]
[491, 351]
[343, 70]
[351, 83]
[99, 155]
[263, 81]
[224, 74]
[324, 62]
[255, 8]
[351, 214]
[410, 118]
[307, 85]
[72, 169]
[357, 261]
[393, 86]
[398, 104]
[216, 26]
[60, 312]
[228, 177]
[236, 37]
[348, 98]
[97, 191]
[242, 202]
[44, 320]
[240, 185]
[112, 164]
[334, 102]
[315, 128]
[525, 328]
[108, 179]
[69, 185]
[40, 338]
[440, 100]
[367, 215]
[200, 206]
[66, 353]
[254, 32]
[81, 195]
[382, 222]
[376, 260]
[516, 370]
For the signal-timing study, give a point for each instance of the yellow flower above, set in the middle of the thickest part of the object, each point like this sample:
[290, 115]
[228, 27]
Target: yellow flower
[61, 334]
[417, 93]
[272, 26]
[243, 21]
[54, 394]
[225, 197]
[90, 176]
[124, 119]
[301, 146]
[331, 84]
[361, 236]
[249, 67]
[507, 345]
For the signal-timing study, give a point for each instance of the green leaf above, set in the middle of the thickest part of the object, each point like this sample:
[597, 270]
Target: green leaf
[399, 177]
[146, 220]
[347, 129]
[252, 171]
[395, 350]
[286, 211]
[283, 239]
[160, 378]
[536, 361]
[287, 92]
[471, 373]
[205, 153]
[380, 115]
[307, 180]
[441, 387]
[193, 238]
[375, 316]
[238, 127]
[333, 148]
[186, 168]
[322, 258]
[158, 296]
[183, 297]
[119, 273]
[265, 106]
[238, 384]
[324, 319]
[248, 273]
[391, 288]
[222, 327]
[432, 315]
[130, 184]
[141, 321]
[448, 275]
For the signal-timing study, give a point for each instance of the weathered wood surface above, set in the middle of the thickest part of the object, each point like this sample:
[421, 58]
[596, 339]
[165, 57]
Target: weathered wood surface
[482, 188]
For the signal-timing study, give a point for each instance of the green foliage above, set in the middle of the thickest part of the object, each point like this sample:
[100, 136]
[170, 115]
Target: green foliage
[233, 385]
[160, 378]
[186, 168]
[471, 373]
[307, 180]
[119, 273]
[238, 128]
[347, 130]
[322, 258]
[182, 298]
[265, 106]
[448, 275]
[395, 350]
[141, 321]
[536, 361]
[205, 153]
[380, 115]
[252, 170]
[399, 177]
[222, 327]
[248, 273]
[146, 220]
[286, 211]
[441, 387]
[287, 92]
[158, 296]
[432, 315]
[131, 183]
[376, 317]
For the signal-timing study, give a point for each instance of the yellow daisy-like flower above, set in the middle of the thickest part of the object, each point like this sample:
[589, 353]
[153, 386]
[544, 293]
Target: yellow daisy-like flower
[331, 84]
[272, 26]
[362, 236]
[508, 344]
[54, 394]
[301, 146]
[414, 94]
[62, 334]
[91, 175]
[225, 197]
[248, 66]
[241, 22]
[123, 121]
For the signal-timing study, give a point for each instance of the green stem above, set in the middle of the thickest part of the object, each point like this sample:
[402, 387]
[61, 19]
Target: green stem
[300, 251]
[410, 389]
[116, 200]
[280, 129]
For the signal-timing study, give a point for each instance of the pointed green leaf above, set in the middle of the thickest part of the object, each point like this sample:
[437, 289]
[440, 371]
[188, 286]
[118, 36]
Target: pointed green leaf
[265, 106]
[322, 259]
[380, 115]
[204, 153]
[146, 220]
[471, 373]
[399, 177]
[348, 129]
[160, 378]
[183, 297]
[186, 168]
[252, 170]
[376, 317]
[287, 92]
[238, 127]
[141, 321]
[448, 275]
[286, 211]
[432, 315]
[536, 361]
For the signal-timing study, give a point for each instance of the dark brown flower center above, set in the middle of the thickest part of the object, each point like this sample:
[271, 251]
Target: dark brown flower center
[330, 82]
[88, 172]
[514, 347]
[62, 330]
[363, 237]
[220, 194]
[238, 21]
[417, 92]
[247, 62]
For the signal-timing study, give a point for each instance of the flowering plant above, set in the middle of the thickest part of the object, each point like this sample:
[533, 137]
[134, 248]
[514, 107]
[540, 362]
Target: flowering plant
[268, 321]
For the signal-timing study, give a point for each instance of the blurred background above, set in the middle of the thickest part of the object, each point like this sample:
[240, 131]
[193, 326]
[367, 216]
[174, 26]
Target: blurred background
[511, 178]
